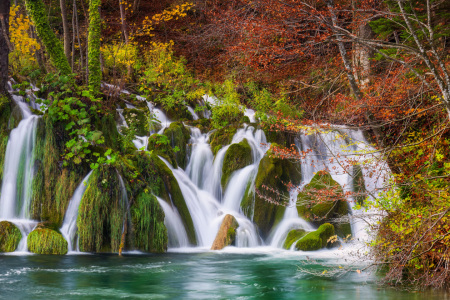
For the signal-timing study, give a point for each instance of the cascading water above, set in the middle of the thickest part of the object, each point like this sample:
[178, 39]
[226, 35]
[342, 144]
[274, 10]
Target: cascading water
[69, 226]
[15, 198]
[177, 234]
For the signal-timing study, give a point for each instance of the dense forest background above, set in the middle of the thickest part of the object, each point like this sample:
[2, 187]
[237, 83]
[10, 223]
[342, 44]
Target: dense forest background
[381, 66]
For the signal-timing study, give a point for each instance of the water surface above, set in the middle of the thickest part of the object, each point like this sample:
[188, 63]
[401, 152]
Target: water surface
[207, 275]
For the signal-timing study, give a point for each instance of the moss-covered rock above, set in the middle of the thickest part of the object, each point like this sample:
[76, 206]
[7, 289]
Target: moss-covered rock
[178, 112]
[157, 177]
[292, 237]
[137, 119]
[322, 200]
[221, 137]
[317, 239]
[179, 137]
[44, 240]
[274, 174]
[10, 236]
[52, 185]
[227, 233]
[149, 231]
[159, 144]
[203, 124]
[237, 156]
[101, 213]
[282, 138]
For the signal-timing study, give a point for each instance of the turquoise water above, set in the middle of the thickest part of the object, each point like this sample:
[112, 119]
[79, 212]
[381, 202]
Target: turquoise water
[208, 275]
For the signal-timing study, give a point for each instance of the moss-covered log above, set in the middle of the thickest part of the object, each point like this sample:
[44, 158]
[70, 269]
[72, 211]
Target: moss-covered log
[94, 36]
[274, 175]
[237, 156]
[10, 236]
[46, 241]
[38, 13]
[179, 137]
[149, 231]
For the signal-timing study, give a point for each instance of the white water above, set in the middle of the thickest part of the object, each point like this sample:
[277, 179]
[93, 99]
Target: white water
[177, 234]
[19, 167]
[69, 227]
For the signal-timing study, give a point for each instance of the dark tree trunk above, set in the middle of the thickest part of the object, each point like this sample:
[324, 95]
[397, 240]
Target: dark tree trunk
[4, 44]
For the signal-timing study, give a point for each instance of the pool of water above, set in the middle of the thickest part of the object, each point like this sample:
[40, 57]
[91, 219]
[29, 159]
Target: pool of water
[198, 275]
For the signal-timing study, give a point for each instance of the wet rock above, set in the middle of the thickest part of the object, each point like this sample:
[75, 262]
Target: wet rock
[10, 236]
[227, 233]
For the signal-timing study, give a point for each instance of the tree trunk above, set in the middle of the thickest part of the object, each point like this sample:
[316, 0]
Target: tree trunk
[36, 10]
[66, 30]
[4, 44]
[361, 59]
[95, 72]
[124, 30]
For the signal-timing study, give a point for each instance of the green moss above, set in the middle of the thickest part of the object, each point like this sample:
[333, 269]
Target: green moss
[231, 234]
[248, 201]
[179, 137]
[10, 236]
[138, 119]
[322, 200]
[317, 239]
[237, 156]
[101, 213]
[94, 36]
[46, 241]
[221, 137]
[170, 191]
[292, 237]
[150, 233]
[282, 138]
[162, 149]
[5, 112]
[52, 186]
[274, 174]
[178, 112]
[38, 13]
[203, 124]
[108, 126]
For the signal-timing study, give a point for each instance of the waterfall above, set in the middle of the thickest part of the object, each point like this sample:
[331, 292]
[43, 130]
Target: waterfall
[175, 229]
[201, 160]
[193, 113]
[18, 170]
[69, 227]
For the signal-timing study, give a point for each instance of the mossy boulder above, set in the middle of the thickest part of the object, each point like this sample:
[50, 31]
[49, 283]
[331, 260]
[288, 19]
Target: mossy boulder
[43, 240]
[282, 138]
[10, 236]
[136, 118]
[226, 235]
[274, 175]
[293, 236]
[157, 176]
[101, 212]
[179, 137]
[221, 137]
[317, 239]
[107, 124]
[149, 231]
[237, 156]
[160, 145]
[178, 112]
[203, 124]
[322, 200]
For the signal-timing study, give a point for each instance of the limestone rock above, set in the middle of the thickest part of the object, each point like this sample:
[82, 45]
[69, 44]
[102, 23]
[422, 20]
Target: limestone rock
[227, 233]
